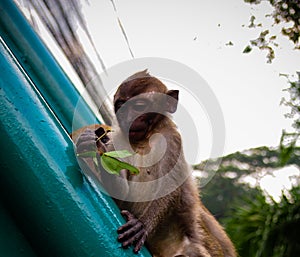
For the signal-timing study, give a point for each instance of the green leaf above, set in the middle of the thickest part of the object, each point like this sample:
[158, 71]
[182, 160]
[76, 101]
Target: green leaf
[110, 164]
[132, 169]
[247, 49]
[92, 154]
[119, 154]
[114, 166]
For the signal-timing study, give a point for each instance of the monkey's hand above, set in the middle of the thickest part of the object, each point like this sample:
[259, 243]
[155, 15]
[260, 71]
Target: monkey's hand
[132, 233]
[86, 141]
[92, 138]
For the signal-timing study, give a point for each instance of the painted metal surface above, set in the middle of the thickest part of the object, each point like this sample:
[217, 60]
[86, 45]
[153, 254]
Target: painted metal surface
[41, 67]
[13, 242]
[51, 205]
[40, 182]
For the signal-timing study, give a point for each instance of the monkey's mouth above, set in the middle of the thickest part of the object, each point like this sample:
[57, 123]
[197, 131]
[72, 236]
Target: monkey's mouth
[135, 135]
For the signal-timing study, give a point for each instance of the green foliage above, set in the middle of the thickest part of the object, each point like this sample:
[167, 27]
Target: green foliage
[288, 141]
[113, 166]
[263, 229]
[258, 225]
[249, 161]
[220, 194]
[287, 149]
[253, 1]
[285, 13]
[294, 100]
[247, 49]
[288, 11]
[109, 161]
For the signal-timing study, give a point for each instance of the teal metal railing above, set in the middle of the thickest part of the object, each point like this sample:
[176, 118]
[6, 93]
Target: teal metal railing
[47, 207]
[40, 66]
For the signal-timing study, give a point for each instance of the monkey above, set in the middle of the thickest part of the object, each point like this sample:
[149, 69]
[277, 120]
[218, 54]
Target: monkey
[161, 204]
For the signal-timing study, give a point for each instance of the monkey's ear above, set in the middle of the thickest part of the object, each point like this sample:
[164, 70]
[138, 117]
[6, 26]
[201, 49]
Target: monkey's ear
[171, 105]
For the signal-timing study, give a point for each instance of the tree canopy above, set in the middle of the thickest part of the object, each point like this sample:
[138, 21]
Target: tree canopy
[286, 14]
[258, 225]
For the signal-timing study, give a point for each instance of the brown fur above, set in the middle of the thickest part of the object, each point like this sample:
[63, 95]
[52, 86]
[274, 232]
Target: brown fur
[176, 224]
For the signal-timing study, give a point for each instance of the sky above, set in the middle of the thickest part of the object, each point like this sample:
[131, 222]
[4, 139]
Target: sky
[195, 33]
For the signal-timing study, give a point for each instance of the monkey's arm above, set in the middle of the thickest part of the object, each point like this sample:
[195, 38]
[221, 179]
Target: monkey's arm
[152, 213]
[136, 230]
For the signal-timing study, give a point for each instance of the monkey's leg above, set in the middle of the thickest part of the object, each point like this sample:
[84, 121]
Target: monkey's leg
[196, 250]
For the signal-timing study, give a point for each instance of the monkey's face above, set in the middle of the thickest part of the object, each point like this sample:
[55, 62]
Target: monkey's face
[141, 104]
[137, 116]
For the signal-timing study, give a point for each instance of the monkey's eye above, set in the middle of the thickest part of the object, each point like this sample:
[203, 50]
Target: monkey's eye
[140, 105]
[118, 105]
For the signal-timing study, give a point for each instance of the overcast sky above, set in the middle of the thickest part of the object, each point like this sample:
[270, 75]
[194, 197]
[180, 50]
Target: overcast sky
[195, 33]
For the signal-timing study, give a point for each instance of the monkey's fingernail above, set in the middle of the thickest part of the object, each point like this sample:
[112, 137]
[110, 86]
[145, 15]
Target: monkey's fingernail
[136, 250]
[120, 237]
[124, 246]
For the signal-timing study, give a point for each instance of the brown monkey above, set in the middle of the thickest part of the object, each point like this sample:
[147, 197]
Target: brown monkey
[161, 203]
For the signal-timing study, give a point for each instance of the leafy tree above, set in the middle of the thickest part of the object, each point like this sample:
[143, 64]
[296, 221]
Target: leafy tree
[258, 225]
[289, 140]
[263, 229]
[286, 13]
[228, 185]
[220, 194]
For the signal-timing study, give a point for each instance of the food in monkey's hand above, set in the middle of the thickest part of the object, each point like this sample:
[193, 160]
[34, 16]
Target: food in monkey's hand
[108, 160]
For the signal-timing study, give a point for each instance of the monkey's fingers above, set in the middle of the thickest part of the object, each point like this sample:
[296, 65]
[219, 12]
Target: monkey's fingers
[86, 146]
[130, 229]
[131, 221]
[86, 134]
[138, 240]
[132, 232]
[86, 142]
[128, 215]
[135, 236]
[141, 241]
